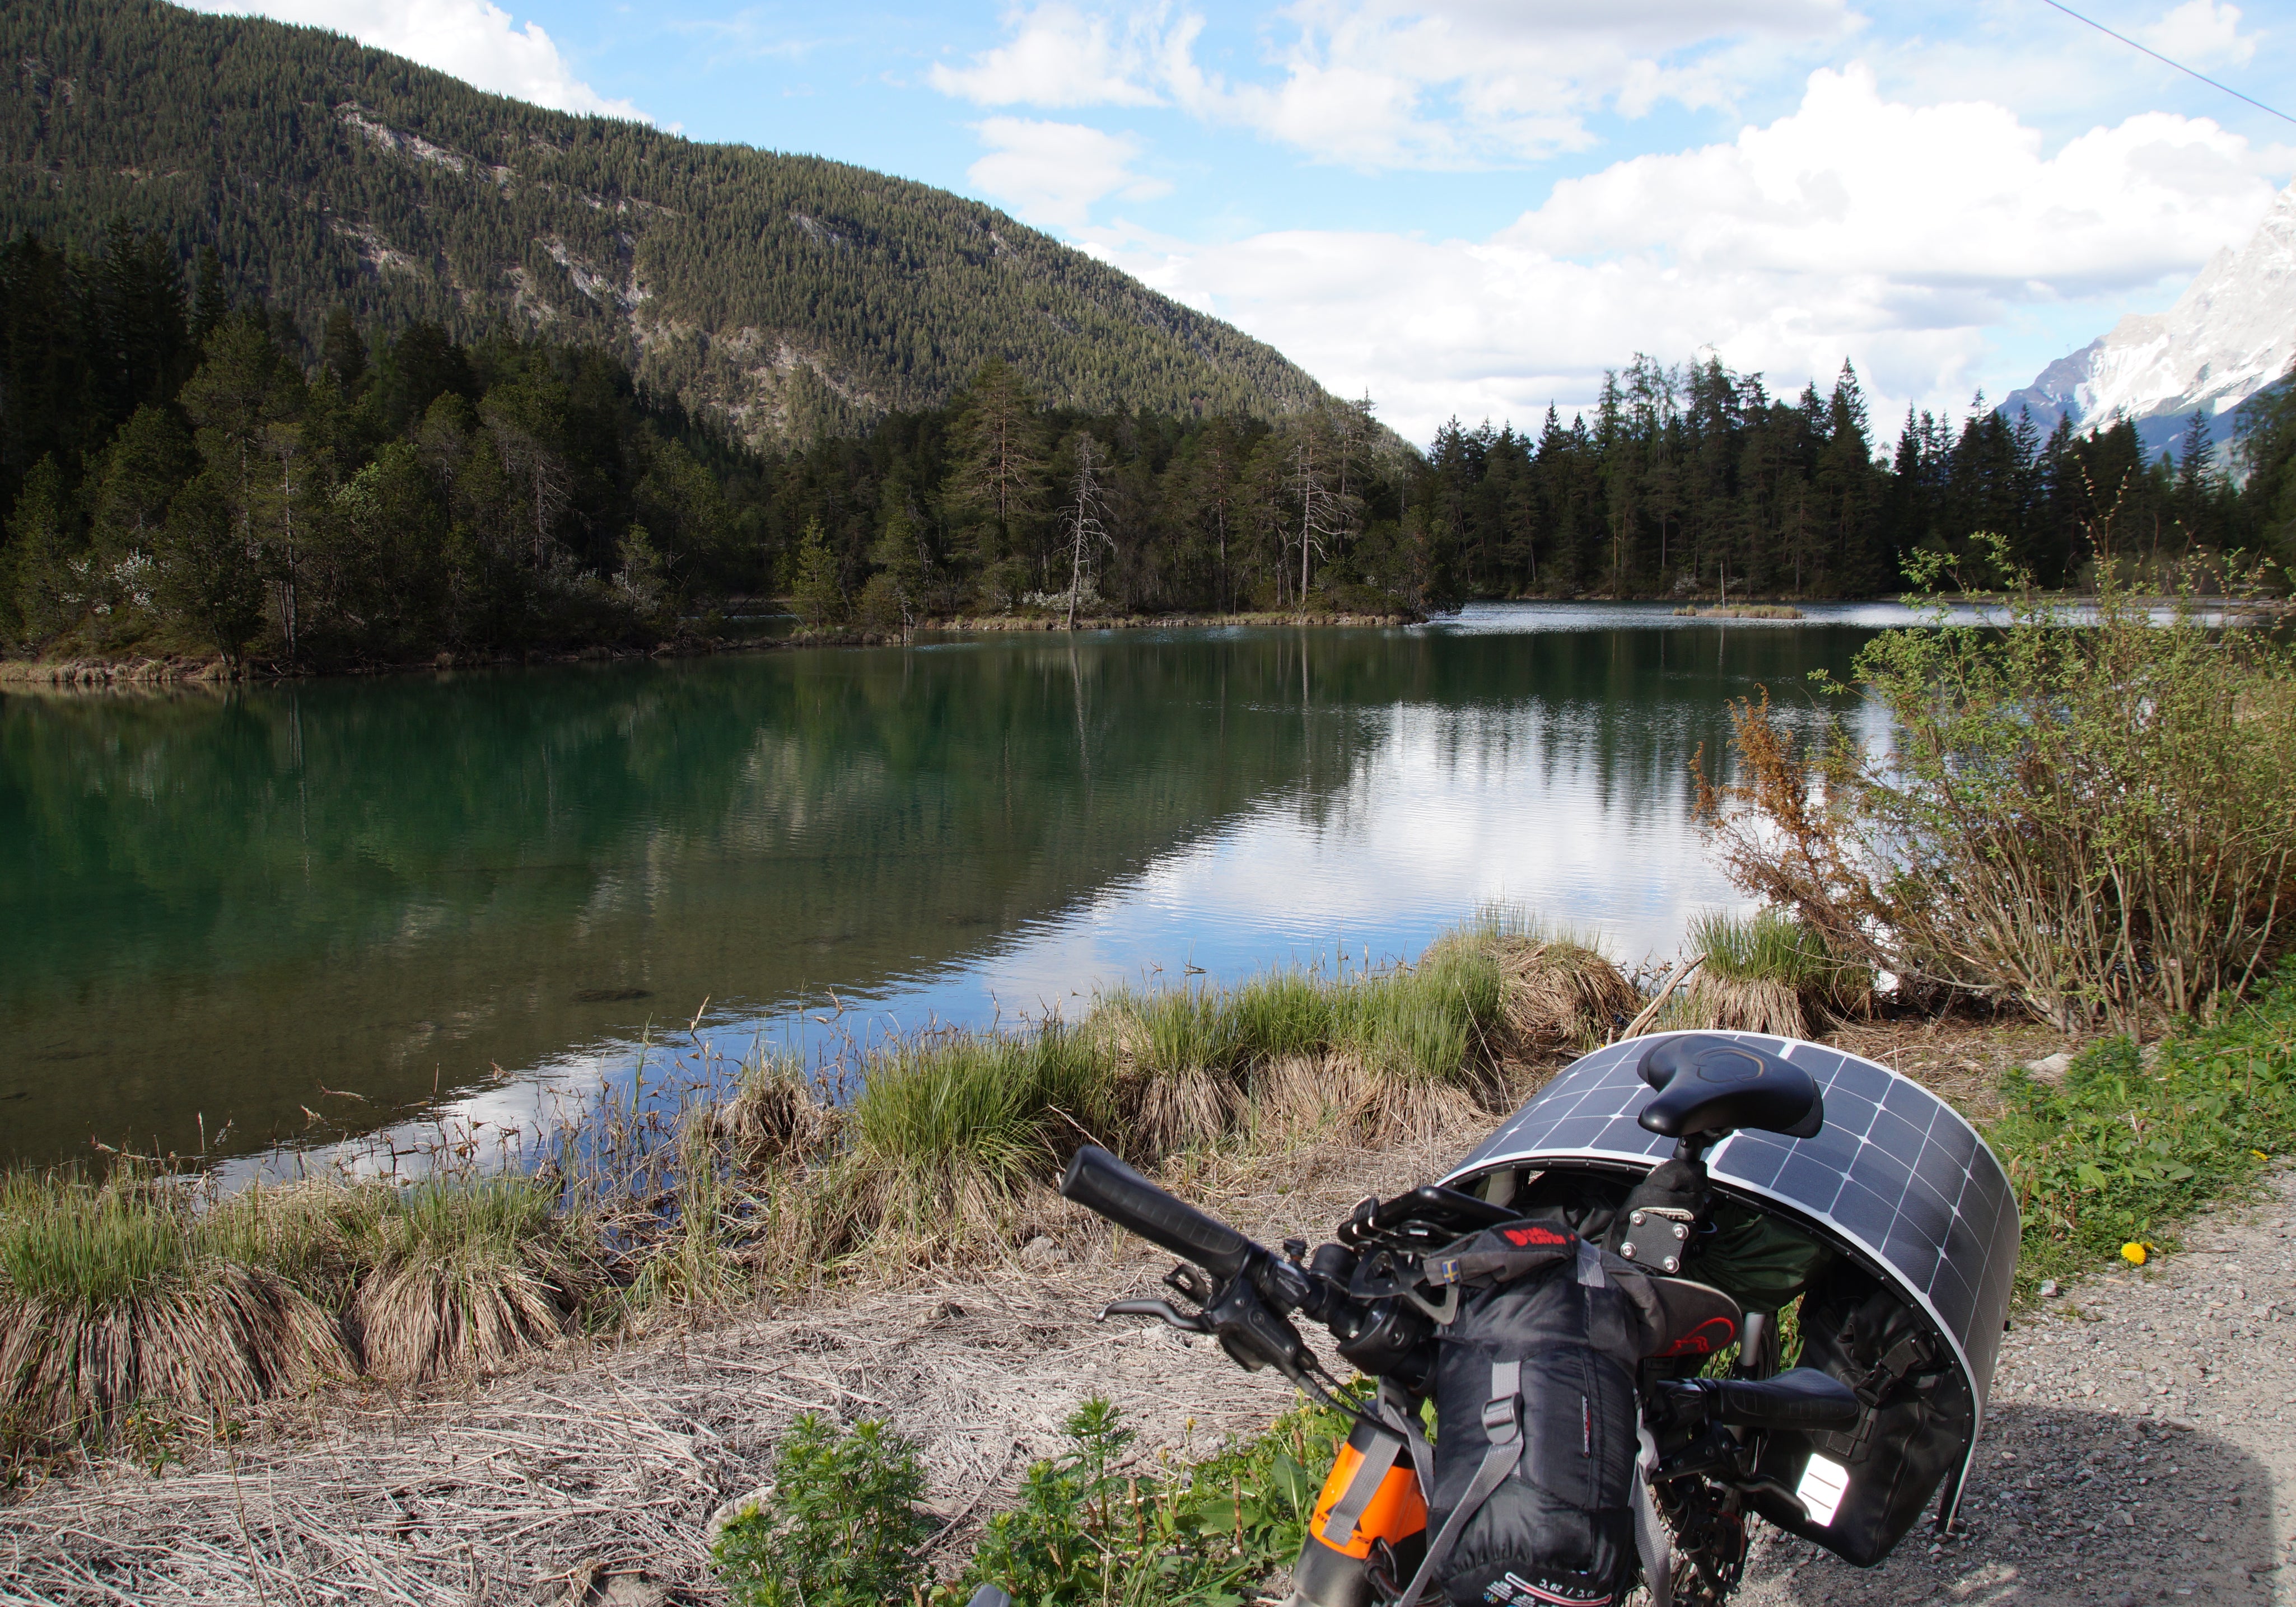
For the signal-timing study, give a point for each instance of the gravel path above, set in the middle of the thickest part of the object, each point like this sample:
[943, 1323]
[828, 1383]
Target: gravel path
[2142, 1445]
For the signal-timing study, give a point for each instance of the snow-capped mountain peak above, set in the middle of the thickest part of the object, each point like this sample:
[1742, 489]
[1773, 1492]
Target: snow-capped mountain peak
[2230, 334]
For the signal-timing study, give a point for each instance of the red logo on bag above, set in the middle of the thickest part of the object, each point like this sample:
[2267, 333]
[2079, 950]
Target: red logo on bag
[1528, 1236]
[1713, 1335]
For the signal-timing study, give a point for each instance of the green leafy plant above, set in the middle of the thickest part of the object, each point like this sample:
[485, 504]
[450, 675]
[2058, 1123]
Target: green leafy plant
[841, 1529]
[2124, 1145]
[1088, 1529]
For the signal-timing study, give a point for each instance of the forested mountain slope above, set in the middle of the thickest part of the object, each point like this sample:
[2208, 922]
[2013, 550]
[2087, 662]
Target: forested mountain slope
[796, 297]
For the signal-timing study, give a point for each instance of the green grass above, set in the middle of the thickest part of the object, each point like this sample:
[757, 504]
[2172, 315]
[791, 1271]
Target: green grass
[1765, 947]
[998, 1107]
[2122, 1149]
[89, 1246]
[1432, 1022]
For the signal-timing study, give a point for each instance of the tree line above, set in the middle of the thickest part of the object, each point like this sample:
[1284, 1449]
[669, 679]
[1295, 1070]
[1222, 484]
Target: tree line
[176, 473]
[1695, 481]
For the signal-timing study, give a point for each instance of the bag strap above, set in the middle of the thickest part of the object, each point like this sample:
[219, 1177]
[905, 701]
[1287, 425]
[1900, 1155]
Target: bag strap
[1340, 1526]
[1503, 1422]
[1650, 1529]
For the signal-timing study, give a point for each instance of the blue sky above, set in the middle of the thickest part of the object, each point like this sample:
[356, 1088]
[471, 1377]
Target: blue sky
[1474, 207]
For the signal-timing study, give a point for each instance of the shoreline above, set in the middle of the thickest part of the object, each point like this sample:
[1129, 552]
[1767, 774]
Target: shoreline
[148, 672]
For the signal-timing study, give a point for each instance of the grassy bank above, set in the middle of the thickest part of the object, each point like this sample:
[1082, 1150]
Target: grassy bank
[2131, 1140]
[135, 1297]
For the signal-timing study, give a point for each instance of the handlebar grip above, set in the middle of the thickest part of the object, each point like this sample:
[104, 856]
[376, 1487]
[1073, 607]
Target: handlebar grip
[1100, 1182]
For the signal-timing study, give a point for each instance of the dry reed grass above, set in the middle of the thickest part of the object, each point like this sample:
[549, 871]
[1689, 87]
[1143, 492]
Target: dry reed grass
[1766, 972]
[466, 1277]
[1562, 995]
[1739, 1004]
[208, 1342]
[117, 1296]
[775, 1113]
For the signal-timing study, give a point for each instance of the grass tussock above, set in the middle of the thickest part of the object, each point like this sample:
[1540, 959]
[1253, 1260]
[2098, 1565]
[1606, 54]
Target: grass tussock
[1767, 972]
[464, 1276]
[114, 1296]
[775, 1113]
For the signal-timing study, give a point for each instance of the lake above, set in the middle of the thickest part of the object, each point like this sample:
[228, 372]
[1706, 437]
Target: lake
[228, 912]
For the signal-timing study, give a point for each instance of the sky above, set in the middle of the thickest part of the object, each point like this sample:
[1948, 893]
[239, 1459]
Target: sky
[1473, 209]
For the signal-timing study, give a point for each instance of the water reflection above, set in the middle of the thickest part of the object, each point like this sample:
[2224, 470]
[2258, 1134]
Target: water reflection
[451, 890]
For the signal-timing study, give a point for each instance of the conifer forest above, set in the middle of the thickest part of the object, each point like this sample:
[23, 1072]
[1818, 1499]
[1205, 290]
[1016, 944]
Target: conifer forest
[186, 470]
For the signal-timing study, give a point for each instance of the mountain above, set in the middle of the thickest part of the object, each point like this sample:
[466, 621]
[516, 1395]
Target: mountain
[792, 296]
[2231, 334]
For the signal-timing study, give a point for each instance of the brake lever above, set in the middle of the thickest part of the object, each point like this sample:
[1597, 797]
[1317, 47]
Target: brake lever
[1162, 1310]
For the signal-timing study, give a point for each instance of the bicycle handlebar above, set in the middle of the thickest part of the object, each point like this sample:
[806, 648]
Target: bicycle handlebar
[1100, 1182]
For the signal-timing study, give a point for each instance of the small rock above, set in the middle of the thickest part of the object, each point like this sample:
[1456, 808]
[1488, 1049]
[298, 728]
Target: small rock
[1040, 1253]
[2050, 1068]
[2049, 1289]
[740, 1506]
[2127, 1598]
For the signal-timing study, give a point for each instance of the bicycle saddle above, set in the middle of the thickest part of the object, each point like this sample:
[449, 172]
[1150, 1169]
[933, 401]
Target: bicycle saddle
[1710, 1084]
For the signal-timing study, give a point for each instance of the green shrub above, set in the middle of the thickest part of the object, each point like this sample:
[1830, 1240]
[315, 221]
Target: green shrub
[840, 1529]
[2089, 813]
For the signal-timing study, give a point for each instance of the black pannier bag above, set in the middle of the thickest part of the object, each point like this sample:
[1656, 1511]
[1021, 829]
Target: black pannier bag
[1536, 1446]
[1911, 1436]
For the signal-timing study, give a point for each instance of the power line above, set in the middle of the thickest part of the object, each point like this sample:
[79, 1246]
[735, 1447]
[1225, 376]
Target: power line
[2164, 60]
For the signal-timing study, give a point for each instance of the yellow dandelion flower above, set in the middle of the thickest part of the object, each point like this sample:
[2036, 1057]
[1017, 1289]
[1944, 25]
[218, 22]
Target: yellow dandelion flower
[2134, 1253]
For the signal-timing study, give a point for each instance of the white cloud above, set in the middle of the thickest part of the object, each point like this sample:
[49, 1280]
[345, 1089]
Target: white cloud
[474, 40]
[1050, 174]
[2201, 33]
[1057, 56]
[1405, 83]
[1896, 235]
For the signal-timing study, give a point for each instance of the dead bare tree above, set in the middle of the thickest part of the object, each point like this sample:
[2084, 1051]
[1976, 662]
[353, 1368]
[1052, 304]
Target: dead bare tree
[1081, 522]
[1317, 483]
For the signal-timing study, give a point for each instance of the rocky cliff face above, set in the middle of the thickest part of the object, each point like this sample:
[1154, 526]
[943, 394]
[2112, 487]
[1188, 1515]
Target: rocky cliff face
[2230, 334]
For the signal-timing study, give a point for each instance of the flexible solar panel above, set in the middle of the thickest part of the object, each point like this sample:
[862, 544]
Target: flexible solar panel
[1895, 1173]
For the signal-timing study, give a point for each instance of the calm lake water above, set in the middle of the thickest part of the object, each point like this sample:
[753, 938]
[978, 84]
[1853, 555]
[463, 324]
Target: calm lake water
[461, 892]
